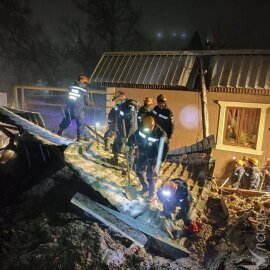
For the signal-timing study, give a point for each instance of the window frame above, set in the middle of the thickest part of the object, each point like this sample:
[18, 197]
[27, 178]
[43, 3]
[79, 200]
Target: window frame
[221, 127]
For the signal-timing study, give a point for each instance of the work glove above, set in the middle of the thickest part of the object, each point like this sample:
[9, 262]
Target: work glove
[193, 227]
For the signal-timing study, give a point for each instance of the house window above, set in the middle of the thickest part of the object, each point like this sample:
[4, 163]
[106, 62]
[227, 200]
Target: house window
[241, 127]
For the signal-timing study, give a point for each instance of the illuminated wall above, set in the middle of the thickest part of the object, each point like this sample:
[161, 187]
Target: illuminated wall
[186, 107]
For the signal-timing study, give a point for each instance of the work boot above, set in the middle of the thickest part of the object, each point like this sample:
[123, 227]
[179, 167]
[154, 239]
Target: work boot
[115, 160]
[60, 132]
[107, 144]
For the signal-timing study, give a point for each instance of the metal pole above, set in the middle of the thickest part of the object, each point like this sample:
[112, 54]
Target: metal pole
[205, 118]
[22, 99]
[15, 94]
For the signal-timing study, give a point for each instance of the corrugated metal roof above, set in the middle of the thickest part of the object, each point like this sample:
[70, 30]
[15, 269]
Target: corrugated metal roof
[170, 70]
[240, 71]
[227, 69]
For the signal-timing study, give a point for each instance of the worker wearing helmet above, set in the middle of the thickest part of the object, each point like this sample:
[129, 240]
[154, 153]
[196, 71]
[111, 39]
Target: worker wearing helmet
[252, 176]
[76, 102]
[112, 126]
[127, 123]
[164, 117]
[174, 194]
[146, 108]
[147, 140]
[237, 173]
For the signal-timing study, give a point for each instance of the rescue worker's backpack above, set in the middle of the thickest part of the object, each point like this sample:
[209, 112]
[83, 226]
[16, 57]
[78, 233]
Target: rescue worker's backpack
[134, 103]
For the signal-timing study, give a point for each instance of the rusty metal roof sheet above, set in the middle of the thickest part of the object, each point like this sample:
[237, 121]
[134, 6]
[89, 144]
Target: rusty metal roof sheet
[240, 71]
[170, 70]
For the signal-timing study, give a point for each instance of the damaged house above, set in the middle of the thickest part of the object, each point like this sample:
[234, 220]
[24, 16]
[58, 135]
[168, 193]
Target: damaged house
[43, 228]
[236, 108]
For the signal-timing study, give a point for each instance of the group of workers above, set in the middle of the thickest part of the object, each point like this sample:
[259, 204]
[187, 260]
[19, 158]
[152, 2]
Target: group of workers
[139, 131]
[247, 175]
[142, 130]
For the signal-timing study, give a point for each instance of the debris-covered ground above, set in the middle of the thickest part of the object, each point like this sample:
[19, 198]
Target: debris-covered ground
[41, 229]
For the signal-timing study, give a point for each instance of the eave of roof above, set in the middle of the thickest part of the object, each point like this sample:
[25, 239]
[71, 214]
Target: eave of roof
[233, 69]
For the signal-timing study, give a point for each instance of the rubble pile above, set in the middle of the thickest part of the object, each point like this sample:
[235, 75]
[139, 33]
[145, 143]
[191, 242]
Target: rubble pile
[245, 229]
[42, 229]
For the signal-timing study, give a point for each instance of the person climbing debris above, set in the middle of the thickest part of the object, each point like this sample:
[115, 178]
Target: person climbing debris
[127, 115]
[145, 109]
[176, 200]
[164, 117]
[147, 140]
[112, 129]
[76, 101]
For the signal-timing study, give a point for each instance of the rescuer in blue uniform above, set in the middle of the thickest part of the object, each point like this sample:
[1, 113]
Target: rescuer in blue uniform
[237, 173]
[147, 139]
[176, 199]
[76, 102]
[145, 109]
[164, 117]
[112, 123]
[251, 177]
[127, 112]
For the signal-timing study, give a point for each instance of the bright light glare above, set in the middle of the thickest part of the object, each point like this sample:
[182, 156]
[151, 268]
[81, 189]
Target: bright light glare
[97, 123]
[166, 193]
[159, 35]
[146, 129]
[188, 117]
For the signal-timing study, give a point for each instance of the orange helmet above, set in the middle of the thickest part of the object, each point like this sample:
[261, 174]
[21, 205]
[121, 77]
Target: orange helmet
[148, 101]
[83, 79]
[253, 161]
[161, 98]
[148, 123]
[239, 162]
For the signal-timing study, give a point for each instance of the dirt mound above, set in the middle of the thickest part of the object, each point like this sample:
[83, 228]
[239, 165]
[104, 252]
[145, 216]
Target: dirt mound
[42, 230]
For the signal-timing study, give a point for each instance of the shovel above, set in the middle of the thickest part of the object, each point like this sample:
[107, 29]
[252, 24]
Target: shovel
[131, 191]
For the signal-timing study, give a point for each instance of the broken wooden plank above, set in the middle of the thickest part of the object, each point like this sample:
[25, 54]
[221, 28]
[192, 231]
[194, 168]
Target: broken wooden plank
[244, 192]
[99, 212]
[131, 228]
[158, 239]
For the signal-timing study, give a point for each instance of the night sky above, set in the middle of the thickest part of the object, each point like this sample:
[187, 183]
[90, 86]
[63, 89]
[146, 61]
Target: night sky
[234, 23]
